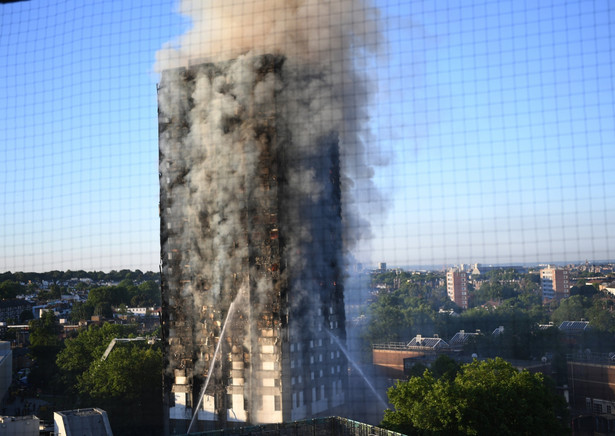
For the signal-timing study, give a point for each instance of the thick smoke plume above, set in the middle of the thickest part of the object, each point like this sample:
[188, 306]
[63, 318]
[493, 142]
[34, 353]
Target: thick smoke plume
[337, 38]
[318, 31]
[263, 119]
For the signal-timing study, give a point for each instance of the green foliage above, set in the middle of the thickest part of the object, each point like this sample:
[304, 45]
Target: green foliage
[102, 299]
[59, 276]
[147, 294]
[409, 308]
[44, 345]
[81, 311]
[45, 331]
[112, 295]
[598, 310]
[601, 315]
[408, 305]
[127, 384]
[495, 291]
[445, 367]
[584, 290]
[571, 309]
[129, 373]
[10, 289]
[483, 398]
[89, 346]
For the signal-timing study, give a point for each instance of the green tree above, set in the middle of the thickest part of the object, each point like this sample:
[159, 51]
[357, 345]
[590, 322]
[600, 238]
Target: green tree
[484, 398]
[45, 344]
[130, 372]
[601, 314]
[584, 290]
[103, 309]
[571, 309]
[89, 346]
[81, 311]
[112, 295]
[445, 366]
[127, 384]
[45, 331]
[10, 289]
[147, 294]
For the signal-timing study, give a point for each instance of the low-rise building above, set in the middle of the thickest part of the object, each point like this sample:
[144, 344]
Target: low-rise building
[20, 425]
[574, 327]
[461, 338]
[591, 392]
[91, 422]
[389, 358]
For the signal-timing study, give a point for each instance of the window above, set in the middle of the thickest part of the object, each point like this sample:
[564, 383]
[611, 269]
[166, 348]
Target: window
[277, 404]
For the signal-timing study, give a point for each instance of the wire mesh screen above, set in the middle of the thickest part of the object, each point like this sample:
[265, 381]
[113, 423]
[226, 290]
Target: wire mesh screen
[484, 128]
[257, 153]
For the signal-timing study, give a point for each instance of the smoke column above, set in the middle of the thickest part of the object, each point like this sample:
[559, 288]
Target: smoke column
[263, 154]
[333, 37]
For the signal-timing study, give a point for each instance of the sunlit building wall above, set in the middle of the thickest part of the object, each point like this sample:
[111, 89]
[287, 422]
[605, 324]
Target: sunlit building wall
[457, 287]
[555, 283]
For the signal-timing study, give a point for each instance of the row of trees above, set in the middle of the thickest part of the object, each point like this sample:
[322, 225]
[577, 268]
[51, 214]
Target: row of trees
[60, 276]
[128, 384]
[10, 289]
[413, 307]
[480, 398]
[102, 300]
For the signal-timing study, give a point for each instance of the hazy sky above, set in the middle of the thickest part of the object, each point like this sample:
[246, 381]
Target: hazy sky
[496, 119]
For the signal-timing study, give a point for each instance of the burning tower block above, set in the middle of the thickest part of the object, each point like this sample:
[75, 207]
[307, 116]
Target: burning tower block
[250, 206]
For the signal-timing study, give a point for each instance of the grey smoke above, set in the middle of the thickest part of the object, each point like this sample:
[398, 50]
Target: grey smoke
[316, 104]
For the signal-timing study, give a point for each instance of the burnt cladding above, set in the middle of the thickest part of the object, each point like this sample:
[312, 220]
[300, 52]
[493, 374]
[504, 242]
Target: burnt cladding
[250, 207]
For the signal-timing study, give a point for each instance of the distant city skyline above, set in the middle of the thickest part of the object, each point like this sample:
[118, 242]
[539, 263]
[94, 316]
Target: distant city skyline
[492, 133]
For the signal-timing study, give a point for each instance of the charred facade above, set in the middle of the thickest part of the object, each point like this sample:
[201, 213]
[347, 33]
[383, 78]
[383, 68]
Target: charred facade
[250, 206]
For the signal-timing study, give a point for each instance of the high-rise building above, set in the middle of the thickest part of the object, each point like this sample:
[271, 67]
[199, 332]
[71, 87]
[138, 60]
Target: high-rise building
[457, 287]
[251, 246]
[555, 283]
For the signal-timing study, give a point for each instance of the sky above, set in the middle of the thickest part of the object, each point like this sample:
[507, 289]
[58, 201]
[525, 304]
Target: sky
[492, 133]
